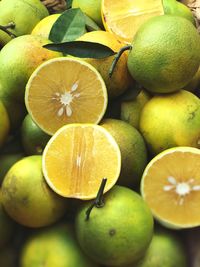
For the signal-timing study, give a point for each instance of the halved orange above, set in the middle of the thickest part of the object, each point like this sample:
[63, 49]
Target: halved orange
[171, 187]
[78, 157]
[65, 90]
[123, 18]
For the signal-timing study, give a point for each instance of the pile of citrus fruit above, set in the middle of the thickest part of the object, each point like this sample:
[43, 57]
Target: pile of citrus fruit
[99, 134]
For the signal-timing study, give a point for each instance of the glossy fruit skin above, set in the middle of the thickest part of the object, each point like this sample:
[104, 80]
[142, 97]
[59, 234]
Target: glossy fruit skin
[171, 120]
[166, 250]
[165, 54]
[17, 12]
[121, 79]
[18, 59]
[43, 27]
[4, 123]
[56, 246]
[133, 150]
[92, 8]
[27, 198]
[33, 138]
[118, 233]
[173, 7]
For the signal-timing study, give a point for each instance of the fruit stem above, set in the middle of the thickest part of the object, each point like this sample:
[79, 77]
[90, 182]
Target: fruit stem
[10, 25]
[98, 202]
[117, 57]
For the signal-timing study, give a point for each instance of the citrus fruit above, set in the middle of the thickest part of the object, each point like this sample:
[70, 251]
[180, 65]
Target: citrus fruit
[166, 249]
[123, 18]
[17, 12]
[121, 79]
[118, 233]
[171, 120]
[18, 59]
[4, 124]
[43, 27]
[173, 7]
[133, 150]
[65, 90]
[33, 138]
[92, 8]
[78, 157]
[6, 162]
[16, 110]
[56, 246]
[6, 226]
[27, 198]
[131, 110]
[165, 54]
[170, 185]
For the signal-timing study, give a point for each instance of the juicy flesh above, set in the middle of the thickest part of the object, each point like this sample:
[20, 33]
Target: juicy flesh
[172, 188]
[123, 18]
[66, 92]
[78, 159]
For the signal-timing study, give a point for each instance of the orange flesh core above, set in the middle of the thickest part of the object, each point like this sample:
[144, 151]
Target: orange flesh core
[123, 18]
[78, 157]
[171, 187]
[64, 91]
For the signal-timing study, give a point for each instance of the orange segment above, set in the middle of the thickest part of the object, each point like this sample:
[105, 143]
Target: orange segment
[78, 157]
[123, 18]
[171, 187]
[65, 90]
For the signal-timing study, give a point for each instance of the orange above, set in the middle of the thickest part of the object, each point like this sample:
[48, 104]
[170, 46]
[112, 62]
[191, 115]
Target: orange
[63, 91]
[133, 150]
[171, 187]
[123, 18]
[32, 137]
[121, 79]
[166, 249]
[43, 27]
[171, 120]
[56, 246]
[18, 59]
[78, 157]
[119, 233]
[165, 54]
[27, 198]
[4, 124]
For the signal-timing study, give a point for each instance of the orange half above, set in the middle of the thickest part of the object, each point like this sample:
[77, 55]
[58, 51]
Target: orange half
[171, 187]
[123, 18]
[78, 157]
[65, 90]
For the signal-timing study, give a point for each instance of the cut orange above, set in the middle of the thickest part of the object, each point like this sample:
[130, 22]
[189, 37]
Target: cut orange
[65, 90]
[78, 157]
[171, 187]
[123, 18]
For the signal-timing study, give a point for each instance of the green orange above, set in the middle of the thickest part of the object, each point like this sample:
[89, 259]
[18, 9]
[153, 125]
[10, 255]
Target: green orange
[33, 138]
[119, 232]
[133, 150]
[171, 120]
[27, 198]
[165, 54]
[166, 249]
[56, 246]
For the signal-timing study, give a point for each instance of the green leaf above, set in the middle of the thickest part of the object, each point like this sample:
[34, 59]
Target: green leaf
[82, 49]
[69, 26]
[91, 25]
